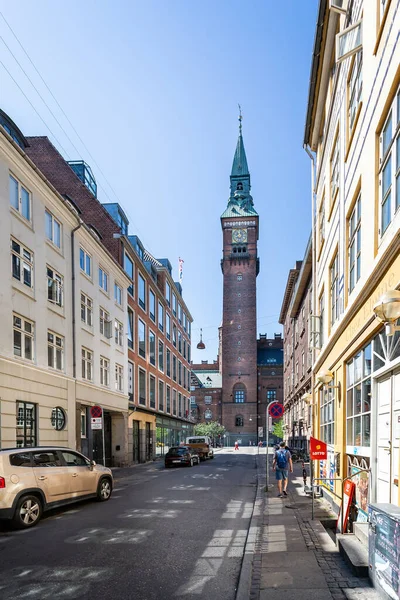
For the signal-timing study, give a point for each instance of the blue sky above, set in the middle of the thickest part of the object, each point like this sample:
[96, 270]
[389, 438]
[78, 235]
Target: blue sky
[152, 89]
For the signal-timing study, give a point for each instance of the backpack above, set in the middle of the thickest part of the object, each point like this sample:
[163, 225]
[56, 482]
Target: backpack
[281, 459]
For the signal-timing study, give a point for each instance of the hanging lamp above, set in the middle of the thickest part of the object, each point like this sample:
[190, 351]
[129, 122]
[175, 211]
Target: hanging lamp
[201, 345]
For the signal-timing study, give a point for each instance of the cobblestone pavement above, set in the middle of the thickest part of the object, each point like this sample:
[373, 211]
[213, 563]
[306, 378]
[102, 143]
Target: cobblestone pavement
[294, 555]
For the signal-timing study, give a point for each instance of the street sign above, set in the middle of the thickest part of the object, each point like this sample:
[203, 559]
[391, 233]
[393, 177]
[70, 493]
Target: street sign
[96, 412]
[96, 423]
[261, 432]
[276, 410]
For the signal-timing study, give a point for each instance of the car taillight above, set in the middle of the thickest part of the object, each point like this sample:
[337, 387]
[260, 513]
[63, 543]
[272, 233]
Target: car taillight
[2, 483]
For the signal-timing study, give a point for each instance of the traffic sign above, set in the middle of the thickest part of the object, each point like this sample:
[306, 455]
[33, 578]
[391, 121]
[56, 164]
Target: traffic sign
[96, 423]
[96, 412]
[261, 432]
[276, 410]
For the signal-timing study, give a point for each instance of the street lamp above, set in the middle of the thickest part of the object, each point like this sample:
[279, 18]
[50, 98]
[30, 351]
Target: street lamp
[325, 377]
[387, 309]
[307, 398]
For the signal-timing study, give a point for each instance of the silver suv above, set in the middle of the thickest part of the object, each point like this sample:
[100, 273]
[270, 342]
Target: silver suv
[33, 480]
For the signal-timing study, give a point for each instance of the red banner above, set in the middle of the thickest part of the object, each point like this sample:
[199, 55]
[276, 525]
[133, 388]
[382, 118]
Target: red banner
[318, 449]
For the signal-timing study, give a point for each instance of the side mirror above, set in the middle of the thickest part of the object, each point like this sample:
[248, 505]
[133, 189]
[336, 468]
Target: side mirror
[92, 464]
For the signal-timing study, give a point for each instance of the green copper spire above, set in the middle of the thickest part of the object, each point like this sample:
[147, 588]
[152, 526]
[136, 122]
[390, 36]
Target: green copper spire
[240, 202]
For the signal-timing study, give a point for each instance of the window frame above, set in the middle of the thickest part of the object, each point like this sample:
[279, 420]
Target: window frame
[19, 209]
[334, 288]
[142, 342]
[142, 379]
[22, 262]
[389, 158]
[152, 392]
[22, 422]
[24, 336]
[56, 281]
[87, 261]
[104, 321]
[128, 261]
[119, 378]
[104, 279]
[152, 347]
[119, 333]
[86, 309]
[52, 236]
[152, 305]
[56, 349]
[104, 371]
[86, 363]
[118, 294]
[354, 241]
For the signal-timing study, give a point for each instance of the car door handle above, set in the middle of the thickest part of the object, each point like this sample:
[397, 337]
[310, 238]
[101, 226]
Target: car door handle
[42, 477]
[74, 474]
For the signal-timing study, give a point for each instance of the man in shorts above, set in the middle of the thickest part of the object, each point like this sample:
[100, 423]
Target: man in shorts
[281, 464]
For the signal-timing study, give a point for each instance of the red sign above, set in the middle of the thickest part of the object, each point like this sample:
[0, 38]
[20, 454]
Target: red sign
[96, 412]
[276, 410]
[348, 493]
[318, 449]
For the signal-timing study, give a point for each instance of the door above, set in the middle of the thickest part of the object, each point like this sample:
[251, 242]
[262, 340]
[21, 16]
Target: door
[51, 476]
[149, 445]
[388, 433]
[136, 445]
[82, 479]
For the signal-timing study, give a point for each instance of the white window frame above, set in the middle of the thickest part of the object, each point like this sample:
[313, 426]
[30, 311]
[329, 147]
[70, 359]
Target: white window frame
[55, 347]
[18, 203]
[119, 333]
[23, 261]
[119, 378]
[104, 371]
[354, 248]
[87, 261]
[86, 310]
[87, 364]
[389, 158]
[334, 288]
[103, 280]
[53, 223]
[131, 378]
[355, 85]
[26, 329]
[105, 323]
[349, 41]
[118, 294]
[334, 169]
[55, 287]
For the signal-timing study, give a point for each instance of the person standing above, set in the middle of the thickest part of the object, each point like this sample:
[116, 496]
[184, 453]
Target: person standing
[282, 463]
[236, 445]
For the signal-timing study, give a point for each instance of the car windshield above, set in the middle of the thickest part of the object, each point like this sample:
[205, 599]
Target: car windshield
[196, 441]
[177, 451]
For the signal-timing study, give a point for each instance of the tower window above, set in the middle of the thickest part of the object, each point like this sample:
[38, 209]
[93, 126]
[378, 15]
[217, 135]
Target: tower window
[239, 421]
[239, 186]
[239, 277]
[239, 393]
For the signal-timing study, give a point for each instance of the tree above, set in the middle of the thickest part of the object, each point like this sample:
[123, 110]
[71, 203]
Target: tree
[277, 428]
[212, 429]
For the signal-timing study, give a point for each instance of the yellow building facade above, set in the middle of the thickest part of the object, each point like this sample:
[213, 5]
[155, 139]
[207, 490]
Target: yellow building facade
[353, 138]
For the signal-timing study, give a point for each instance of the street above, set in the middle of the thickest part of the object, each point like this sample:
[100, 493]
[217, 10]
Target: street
[177, 533]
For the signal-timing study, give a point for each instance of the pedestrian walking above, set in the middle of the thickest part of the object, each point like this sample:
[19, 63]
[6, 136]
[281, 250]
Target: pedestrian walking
[236, 445]
[282, 463]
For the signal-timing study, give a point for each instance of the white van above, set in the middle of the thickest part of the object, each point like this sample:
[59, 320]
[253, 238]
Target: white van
[202, 443]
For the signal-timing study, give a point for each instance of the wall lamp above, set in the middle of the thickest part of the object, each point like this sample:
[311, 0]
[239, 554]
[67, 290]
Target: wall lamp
[387, 309]
[325, 377]
[307, 397]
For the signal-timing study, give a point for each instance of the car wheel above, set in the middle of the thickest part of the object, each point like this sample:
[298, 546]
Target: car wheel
[28, 512]
[212, 455]
[191, 463]
[104, 490]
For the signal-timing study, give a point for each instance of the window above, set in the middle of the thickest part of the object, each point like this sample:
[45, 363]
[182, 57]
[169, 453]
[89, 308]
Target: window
[142, 292]
[303, 364]
[53, 229]
[130, 326]
[174, 335]
[20, 198]
[55, 351]
[239, 396]
[104, 371]
[174, 367]
[131, 382]
[354, 229]
[239, 277]
[321, 223]
[179, 314]
[119, 378]
[321, 318]
[355, 89]
[180, 342]
[179, 372]
[168, 293]
[327, 408]
[184, 348]
[105, 323]
[160, 355]
[179, 405]
[271, 395]
[58, 418]
[74, 460]
[334, 284]
[168, 400]
[174, 402]
[103, 280]
[239, 421]
[87, 364]
[26, 424]
[142, 387]
[54, 287]
[174, 305]
[358, 399]
[188, 353]
[119, 333]
[152, 306]
[184, 321]
[168, 326]
[161, 395]
[85, 262]
[128, 268]
[184, 377]
[168, 360]
[22, 264]
[389, 161]
[118, 294]
[152, 391]
[23, 337]
[142, 338]
[207, 400]
[152, 347]
[335, 169]
[160, 317]
[86, 310]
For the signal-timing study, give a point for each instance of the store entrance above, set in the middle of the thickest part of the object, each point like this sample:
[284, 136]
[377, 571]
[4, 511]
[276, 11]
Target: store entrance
[387, 438]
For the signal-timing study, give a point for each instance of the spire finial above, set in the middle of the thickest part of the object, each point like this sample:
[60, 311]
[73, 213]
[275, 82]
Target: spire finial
[240, 119]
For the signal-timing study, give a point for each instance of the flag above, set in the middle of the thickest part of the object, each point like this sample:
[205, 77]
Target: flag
[180, 269]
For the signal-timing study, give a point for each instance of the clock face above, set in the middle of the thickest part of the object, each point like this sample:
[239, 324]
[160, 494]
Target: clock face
[239, 236]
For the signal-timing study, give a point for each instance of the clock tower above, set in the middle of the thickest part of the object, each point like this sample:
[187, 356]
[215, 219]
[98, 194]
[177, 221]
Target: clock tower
[240, 267]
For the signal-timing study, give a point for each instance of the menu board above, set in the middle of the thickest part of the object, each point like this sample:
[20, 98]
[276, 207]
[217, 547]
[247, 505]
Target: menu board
[385, 552]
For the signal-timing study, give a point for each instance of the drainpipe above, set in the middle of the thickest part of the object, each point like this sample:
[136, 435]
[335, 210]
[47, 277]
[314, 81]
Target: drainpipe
[314, 287]
[73, 299]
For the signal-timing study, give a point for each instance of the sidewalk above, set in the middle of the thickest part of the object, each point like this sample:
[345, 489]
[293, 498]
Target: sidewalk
[289, 555]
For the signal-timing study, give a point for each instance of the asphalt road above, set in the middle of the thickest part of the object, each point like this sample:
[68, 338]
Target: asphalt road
[164, 534]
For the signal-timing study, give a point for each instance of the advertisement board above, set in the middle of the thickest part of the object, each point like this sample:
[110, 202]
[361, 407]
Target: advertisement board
[327, 469]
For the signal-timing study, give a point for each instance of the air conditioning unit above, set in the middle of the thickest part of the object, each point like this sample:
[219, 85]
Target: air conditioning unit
[339, 6]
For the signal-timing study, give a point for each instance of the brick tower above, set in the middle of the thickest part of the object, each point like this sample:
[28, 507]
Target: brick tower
[240, 267]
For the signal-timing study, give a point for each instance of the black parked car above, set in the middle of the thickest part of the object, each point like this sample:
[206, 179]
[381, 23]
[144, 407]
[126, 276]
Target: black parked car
[181, 455]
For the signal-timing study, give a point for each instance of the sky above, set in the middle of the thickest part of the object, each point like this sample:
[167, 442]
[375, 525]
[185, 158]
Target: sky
[147, 93]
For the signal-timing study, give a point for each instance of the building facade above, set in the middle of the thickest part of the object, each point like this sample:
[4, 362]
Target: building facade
[352, 127]
[296, 317]
[55, 360]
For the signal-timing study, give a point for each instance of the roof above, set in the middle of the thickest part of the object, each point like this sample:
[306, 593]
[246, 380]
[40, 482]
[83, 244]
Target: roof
[303, 280]
[239, 165]
[234, 210]
[291, 280]
[209, 378]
